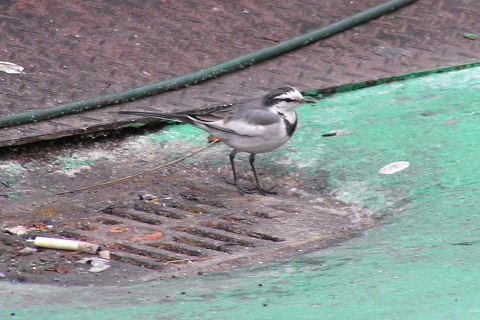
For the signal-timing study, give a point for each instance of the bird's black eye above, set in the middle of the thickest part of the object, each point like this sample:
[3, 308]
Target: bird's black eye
[289, 100]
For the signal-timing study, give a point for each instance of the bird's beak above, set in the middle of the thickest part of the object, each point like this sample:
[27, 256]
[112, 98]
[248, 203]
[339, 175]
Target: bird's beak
[305, 100]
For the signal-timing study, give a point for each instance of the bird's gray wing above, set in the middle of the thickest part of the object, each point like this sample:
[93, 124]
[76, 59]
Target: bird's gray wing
[241, 121]
[261, 117]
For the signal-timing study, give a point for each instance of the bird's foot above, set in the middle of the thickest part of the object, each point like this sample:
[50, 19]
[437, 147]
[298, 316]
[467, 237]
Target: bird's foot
[239, 188]
[245, 190]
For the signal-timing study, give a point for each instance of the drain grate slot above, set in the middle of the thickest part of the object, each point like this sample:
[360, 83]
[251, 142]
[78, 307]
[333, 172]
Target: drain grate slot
[137, 260]
[237, 230]
[135, 215]
[4, 249]
[192, 209]
[159, 210]
[175, 248]
[238, 219]
[214, 235]
[260, 214]
[108, 221]
[76, 234]
[202, 244]
[150, 252]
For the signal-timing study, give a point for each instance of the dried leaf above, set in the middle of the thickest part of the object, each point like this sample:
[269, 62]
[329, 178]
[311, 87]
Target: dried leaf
[149, 237]
[271, 39]
[39, 226]
[111, 245]
[118, 229]
[58, 269]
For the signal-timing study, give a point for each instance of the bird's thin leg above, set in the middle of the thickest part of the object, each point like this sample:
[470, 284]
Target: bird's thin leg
[258, 187]
[232, 163]
[235, 178]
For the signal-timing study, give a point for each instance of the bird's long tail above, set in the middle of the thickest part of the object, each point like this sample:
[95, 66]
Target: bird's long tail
[165, 116]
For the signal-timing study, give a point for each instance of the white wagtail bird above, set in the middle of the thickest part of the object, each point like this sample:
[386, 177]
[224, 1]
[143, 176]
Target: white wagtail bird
[254, 126]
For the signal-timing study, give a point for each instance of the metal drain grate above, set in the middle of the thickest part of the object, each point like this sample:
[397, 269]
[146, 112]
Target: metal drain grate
[192, 234]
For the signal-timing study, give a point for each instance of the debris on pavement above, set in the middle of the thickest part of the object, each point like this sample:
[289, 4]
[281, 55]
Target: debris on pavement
[394, 167]
[105, 254]
[22, 230]
[17, 230]
[27, 250]
[64, 244]
[470, 36]
[143, 195]
[98, 264]
[339, 132]
[273, 39]
[9, 67]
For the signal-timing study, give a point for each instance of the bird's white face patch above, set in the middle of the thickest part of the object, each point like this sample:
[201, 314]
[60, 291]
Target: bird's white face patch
[294, 95]
[288, 101]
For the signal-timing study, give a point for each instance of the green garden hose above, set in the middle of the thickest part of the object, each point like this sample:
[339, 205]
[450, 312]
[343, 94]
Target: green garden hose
[203, 74]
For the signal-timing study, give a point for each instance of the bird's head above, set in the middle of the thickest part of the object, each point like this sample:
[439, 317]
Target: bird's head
[286, 98]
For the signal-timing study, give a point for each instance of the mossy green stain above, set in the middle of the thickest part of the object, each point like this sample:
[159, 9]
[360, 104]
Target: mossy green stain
[67, 163]
[11, 195]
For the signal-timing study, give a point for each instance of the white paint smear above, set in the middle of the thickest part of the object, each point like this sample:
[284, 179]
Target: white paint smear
[9, 67]
[394, 167]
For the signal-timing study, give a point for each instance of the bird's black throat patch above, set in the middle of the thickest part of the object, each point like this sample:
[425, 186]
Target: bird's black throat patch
[289, 126]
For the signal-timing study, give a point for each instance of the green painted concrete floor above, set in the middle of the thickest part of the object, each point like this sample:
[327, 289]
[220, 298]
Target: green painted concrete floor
[422, 262]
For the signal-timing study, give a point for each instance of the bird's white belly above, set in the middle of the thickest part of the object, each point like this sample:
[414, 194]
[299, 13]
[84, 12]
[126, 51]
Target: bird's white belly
[257, 144]
[252, 146]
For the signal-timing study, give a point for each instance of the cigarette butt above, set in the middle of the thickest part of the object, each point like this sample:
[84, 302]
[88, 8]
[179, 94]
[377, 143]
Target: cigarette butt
[64, 244]
[105, 254]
